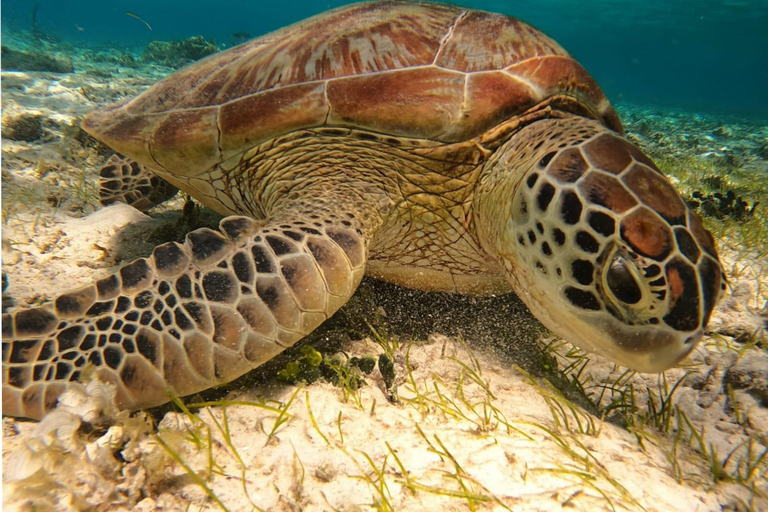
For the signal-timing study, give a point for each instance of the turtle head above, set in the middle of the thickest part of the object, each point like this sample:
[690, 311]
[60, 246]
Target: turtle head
[598, 244]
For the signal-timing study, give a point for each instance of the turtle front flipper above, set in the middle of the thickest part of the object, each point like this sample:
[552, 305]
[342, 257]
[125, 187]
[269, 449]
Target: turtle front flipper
[187, 318]
[122, 180]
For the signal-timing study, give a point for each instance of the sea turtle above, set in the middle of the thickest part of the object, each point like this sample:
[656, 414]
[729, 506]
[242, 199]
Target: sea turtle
[431, 146]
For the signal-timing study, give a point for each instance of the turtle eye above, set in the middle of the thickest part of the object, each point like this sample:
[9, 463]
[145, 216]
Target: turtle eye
[625, 288]
[621, 283]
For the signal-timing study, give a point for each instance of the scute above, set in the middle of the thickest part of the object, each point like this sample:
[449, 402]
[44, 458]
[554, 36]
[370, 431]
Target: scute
[458, 72]
[485, 41]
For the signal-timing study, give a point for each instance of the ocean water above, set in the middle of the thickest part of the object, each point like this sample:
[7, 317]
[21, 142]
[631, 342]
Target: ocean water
[707, 56]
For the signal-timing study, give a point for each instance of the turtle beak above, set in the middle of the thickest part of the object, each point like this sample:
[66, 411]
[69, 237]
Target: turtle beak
[640, 347]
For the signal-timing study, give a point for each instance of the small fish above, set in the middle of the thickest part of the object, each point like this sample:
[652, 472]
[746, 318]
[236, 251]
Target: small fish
[79, 28]
[132, 15]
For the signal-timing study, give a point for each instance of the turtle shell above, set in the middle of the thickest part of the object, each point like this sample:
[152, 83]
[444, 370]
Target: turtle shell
[419, 70]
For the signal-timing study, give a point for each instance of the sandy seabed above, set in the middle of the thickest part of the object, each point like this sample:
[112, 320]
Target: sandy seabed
[472, 429]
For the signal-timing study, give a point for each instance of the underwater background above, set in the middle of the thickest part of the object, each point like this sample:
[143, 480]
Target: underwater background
[707, 56]
[542, 426]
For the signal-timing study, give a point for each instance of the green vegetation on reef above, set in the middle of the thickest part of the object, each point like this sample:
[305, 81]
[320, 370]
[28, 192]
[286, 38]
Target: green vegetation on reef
[731, 199]
[723, 206]
[179, 53]
[16, 60]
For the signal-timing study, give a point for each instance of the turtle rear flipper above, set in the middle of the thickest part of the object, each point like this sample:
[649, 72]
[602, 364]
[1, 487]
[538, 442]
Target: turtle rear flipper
[185, 319]
[123, 180]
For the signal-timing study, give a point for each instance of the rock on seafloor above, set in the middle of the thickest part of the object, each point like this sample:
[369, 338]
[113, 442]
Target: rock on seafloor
[15, 60]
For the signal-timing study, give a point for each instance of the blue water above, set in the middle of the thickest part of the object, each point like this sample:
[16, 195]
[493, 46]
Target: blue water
[704, 55]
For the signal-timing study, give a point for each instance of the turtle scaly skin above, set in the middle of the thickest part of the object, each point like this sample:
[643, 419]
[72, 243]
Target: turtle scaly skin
[433, 147]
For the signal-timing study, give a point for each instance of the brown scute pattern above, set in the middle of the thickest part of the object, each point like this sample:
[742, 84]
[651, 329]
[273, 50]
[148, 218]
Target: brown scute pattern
[291, 107]
[583, 299]
[32, 400]
[226, 362]
[305, 281]
[350, 243]
[199, 351]
[647, 233]
[571, 208]
[200, 316]
[684, 300]
[169, 94]
[569, 166]
[277, 296]
[561, 75]
[27, 322]
[700, 233]
[257, 351]
[607, 191]
[609, 153]
[229, 331]
[422, 102]
[687, 245]
[258, 317]
[75, 303]
[421, 70]
[280, 245]
[261, 259]
[69, 338]
[187, 139]
[641, 157]
[108, 288]
[175, 369]
[711, 278]
[357, 40]
[170, 259]
[183, 321]
[330, 257]
[136, 276]
[125, 133]
[207, 246]
[23, 351]
[220, 287]
[491, 99]
[482, 41]
[655, 191]
[141, 382]
[237, 227]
